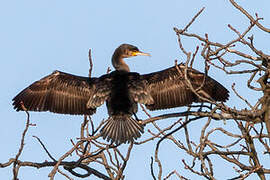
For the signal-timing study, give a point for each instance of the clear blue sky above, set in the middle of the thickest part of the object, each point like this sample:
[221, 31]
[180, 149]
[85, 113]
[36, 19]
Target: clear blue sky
[38, 37]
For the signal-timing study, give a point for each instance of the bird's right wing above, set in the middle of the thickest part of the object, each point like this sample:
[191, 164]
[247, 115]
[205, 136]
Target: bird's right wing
[58, 92]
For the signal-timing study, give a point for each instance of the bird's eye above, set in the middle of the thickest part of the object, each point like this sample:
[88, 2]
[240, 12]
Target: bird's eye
[135, 49]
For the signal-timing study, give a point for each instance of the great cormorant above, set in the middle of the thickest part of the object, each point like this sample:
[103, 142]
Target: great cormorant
[122, 90]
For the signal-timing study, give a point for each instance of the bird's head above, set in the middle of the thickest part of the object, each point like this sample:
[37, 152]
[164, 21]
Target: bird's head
[127, 50]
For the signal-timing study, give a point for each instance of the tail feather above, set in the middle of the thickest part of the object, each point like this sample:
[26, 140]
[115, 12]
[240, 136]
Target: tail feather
[121, 129]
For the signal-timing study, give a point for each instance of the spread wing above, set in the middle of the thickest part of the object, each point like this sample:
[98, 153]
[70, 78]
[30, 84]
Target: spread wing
[138, 89]
[102, 91]
[169, 88]
[58, 92]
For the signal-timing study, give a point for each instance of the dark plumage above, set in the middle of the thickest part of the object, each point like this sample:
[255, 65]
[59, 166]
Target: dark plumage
[168, 88]
[121, 90]
[58, 92]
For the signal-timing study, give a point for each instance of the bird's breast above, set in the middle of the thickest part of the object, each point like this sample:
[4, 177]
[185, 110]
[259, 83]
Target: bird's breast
[120, 100]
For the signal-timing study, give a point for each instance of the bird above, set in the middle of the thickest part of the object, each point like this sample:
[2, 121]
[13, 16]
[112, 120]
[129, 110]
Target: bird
[121, 90]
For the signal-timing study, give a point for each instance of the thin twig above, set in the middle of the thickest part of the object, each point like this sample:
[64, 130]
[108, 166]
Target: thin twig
[48, 153]
[15, 163]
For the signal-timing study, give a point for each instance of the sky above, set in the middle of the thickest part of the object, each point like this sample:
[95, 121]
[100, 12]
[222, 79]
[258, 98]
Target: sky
[38, 37]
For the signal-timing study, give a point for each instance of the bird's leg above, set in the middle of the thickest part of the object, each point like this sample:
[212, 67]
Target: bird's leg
[140, 121]
[136, 117]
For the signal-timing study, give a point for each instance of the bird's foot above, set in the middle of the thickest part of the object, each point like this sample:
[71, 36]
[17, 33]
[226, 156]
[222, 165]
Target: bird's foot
[136, 117]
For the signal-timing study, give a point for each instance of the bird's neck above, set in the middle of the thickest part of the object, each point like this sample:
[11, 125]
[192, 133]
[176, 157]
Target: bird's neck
[119, 63]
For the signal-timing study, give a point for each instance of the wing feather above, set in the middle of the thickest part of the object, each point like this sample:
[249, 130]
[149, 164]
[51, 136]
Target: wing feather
[169, 89]
[138, 89]
[102, 91]
[58, 92]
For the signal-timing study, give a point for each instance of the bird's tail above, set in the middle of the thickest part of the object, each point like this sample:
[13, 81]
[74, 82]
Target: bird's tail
[121, 129]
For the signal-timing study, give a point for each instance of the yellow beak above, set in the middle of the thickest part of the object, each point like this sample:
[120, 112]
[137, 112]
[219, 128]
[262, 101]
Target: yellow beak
[138, 53]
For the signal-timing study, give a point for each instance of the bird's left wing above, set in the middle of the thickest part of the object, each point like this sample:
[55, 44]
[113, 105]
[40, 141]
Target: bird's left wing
[169, 88]
[138, 89]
